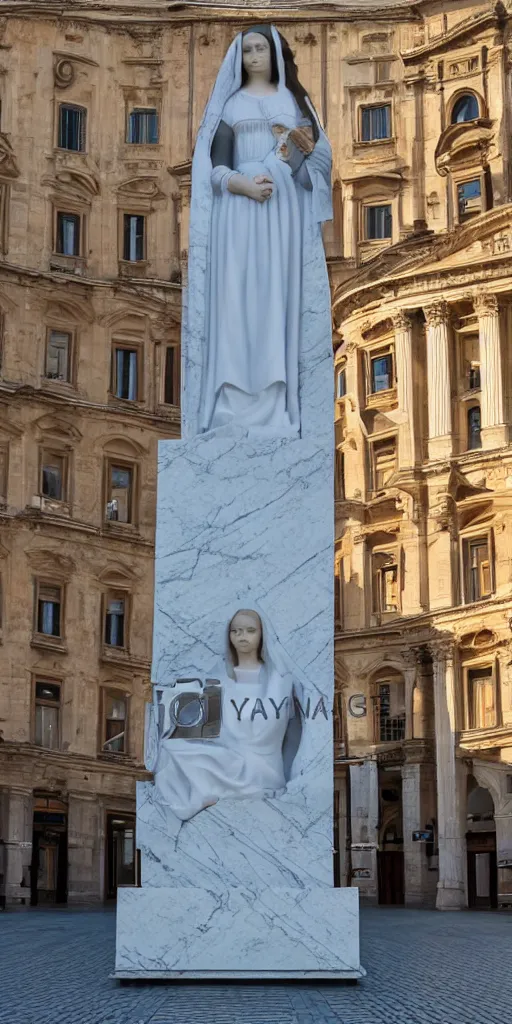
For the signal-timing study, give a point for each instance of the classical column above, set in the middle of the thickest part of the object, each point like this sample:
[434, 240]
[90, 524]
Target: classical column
[418, 809]
[438, 381]
[451, 797]
[403, 354]
[494, 431]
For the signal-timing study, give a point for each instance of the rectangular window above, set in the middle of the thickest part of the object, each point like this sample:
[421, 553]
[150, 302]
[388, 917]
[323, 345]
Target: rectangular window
[482, 698]
[143, 127]
[48, 614]
[58, 355]
[125, 373]
[391, 719]
[385, 582]
[114, 726]
[341, 384]
[4, 473]
[469, 198]
[72, 121]
[383, 462]
[115, 621]
[120, 494]
[376, 123]
[133, 239]
[378, 221]
[53, 476]
[339, 478]
[172, 375]
[477, 568]
[382, 377]
[68, 234]
[47, 715]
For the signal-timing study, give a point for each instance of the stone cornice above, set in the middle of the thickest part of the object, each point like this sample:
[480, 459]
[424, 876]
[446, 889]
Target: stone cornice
[15, 753]
[157, 13]
[468, 26]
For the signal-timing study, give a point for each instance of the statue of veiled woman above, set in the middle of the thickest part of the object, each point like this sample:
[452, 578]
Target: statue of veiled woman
[260, 191]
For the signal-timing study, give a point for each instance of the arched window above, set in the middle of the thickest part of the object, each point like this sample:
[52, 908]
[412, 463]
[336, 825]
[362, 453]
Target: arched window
[466, 109]
[474, 427]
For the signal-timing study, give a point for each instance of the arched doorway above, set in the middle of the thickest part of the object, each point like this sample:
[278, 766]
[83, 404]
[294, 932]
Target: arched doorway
[481, 848]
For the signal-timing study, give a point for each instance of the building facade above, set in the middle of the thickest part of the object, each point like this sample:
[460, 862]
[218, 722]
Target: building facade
[100, 104]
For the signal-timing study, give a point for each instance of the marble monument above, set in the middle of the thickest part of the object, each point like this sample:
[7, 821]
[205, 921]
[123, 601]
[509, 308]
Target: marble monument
[235, 832]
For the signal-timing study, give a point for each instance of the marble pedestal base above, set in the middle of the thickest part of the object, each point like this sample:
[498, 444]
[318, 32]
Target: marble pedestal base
[237, 933]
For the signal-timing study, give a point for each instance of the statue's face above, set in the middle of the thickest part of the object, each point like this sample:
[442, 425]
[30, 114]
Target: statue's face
[256, 55]
[245, 632]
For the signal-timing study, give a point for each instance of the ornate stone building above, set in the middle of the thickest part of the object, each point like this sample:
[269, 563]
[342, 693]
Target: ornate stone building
[100, 104]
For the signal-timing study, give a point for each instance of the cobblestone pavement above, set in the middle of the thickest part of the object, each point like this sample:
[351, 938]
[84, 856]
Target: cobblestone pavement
[423, 968]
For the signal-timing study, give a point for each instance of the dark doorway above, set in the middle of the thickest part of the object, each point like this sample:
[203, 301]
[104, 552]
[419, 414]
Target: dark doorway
[49, 865]
[390, 865]
[482, 870]
[120, 852]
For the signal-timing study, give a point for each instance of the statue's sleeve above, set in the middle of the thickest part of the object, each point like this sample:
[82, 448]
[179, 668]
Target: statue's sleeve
[222, 158]
[298, 165]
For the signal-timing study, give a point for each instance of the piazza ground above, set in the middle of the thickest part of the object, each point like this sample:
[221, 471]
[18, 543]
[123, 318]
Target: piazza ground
[423, 967]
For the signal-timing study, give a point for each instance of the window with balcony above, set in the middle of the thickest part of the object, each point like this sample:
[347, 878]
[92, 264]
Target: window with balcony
[48, 610]
[474, 439]
[385, 582]
[481, 698]
[68, 234]
[53, 476]
[143, 126]
[120, 503]
[378, 222]
[125, 373]
[47, 715]
[114, 724]
[478, 568]
[376, 123]
[469, 199]
[171, 381]
[466, 108]
[390, 712]
[383, 462]
[115, 620]
[58, 355]
[134, 237]
[72, 125]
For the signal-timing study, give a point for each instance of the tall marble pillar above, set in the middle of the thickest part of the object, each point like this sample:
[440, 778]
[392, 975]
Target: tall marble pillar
[440, 441]
[494, 430]
[451, 796]
[404, 371]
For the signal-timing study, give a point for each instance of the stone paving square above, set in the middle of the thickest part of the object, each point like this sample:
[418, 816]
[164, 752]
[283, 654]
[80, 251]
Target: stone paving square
[423, 967]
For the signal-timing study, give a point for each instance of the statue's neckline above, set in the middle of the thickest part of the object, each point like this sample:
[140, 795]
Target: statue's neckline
[259, 96]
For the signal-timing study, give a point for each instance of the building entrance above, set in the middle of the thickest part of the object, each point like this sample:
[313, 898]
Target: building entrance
[120, 852]
[49, 866]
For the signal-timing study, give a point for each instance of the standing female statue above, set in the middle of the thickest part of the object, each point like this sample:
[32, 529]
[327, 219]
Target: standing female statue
[260, 191]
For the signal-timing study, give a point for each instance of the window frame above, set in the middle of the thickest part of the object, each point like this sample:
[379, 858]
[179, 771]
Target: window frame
[80, 109]
[71, 333]
[459, 96]
[126, 345]
[39, 585]
[176, 381]
[341, 375]
[469, 410]
[474, 667]
[142, 110]
[82, 248]
[393, 551]
[123, 214]
[378, 351]
[59, 454]
[379, 719]
[363, 108]
[467, 540]
[4, 457]
[364, 234]
[111, 461]
[464, 218]
[373, 444]
[41, 702]
[116, 594]
[113, 693]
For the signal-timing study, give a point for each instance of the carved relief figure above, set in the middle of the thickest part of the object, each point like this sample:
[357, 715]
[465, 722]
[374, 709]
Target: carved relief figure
[261, 180]
[242, 741]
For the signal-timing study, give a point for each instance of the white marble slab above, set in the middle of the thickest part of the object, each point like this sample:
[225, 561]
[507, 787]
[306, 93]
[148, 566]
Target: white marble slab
[193, 933]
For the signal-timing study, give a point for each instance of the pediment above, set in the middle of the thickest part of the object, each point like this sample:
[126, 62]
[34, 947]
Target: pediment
[121, 447]
[74, 184]
[52, 564]
[66, 67]
[57, 427]
[8, 163]
[467, 142]
[116, 575]
[142, 188]
[65, 310]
